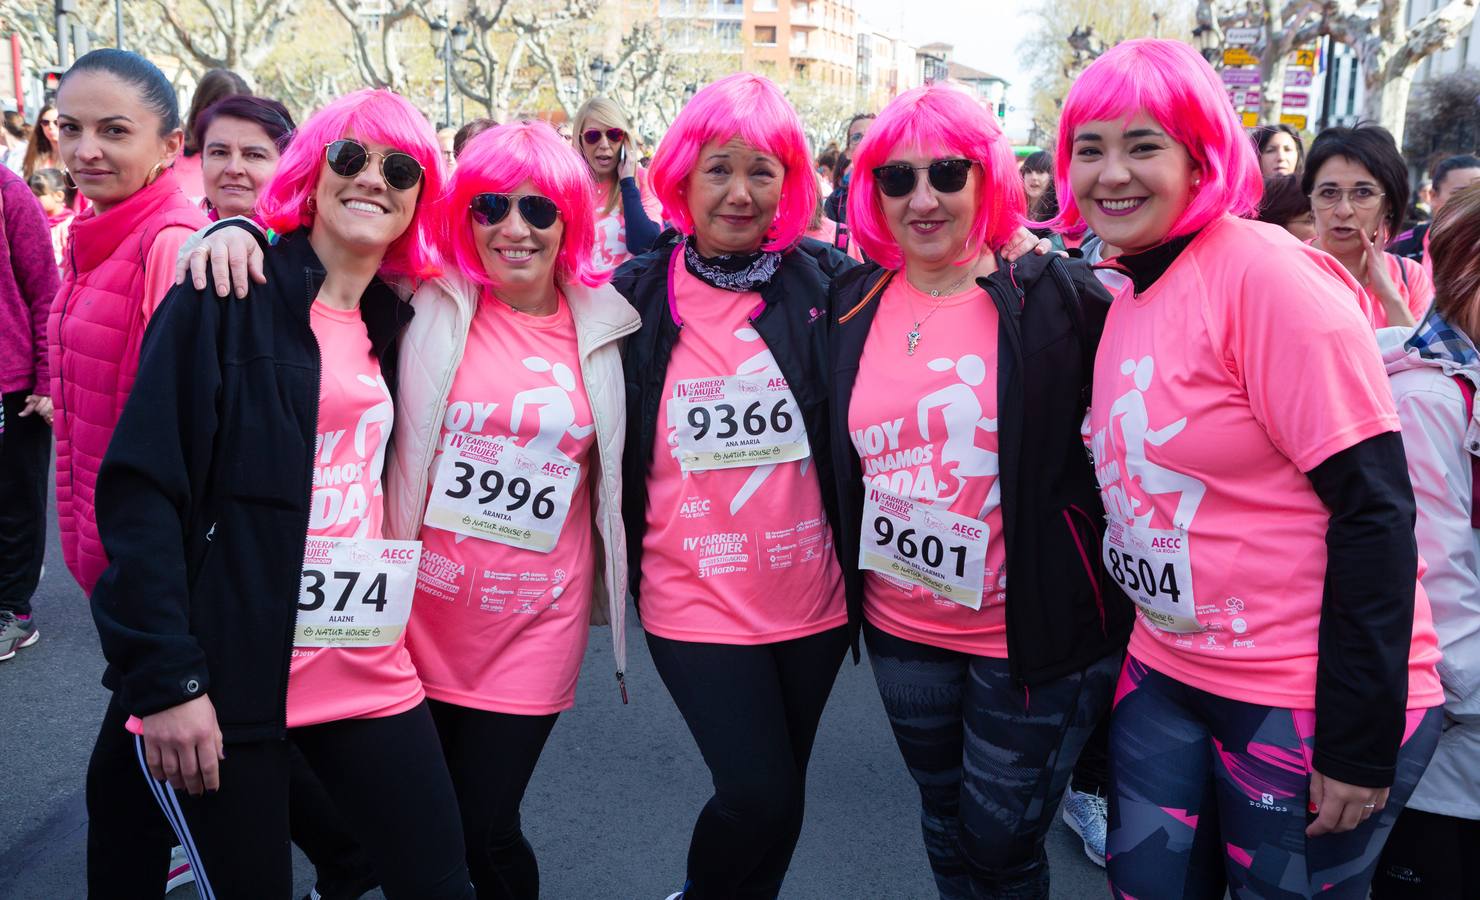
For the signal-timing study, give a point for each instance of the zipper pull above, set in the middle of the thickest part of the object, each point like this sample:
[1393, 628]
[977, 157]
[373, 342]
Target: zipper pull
[622, 685]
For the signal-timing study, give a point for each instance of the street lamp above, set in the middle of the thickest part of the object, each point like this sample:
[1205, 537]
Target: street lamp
[450, 43]
[601, 70]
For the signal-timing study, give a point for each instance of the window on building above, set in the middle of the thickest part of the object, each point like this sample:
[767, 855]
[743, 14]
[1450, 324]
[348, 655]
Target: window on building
[727, 33]
[764, 6]
[765, 35]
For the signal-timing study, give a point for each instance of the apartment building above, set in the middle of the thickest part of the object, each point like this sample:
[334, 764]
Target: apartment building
[787, 40]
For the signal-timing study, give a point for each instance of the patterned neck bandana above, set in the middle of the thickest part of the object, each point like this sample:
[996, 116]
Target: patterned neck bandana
[737, 272]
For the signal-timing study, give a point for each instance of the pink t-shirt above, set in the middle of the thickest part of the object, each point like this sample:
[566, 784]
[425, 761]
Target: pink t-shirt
[610, 250]
[732, 556]
[925, 427]
[326, 684]
[1242, 368]
[497, 627]
[1417, 290]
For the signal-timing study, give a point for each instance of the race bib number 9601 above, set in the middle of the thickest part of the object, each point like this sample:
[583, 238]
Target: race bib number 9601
[940, 551]
[496, 490]
[355, 592]
[737, 421]
[1154, 568]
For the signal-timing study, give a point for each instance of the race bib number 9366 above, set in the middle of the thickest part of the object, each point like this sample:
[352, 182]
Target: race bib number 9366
[737, 421]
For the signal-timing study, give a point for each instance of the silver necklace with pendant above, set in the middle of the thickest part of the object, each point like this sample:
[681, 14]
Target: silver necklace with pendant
[914, 334]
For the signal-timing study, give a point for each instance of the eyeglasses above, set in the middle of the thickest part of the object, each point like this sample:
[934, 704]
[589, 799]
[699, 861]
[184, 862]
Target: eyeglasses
[348, 158]
[490, 209]
[593, 135]
[1360, 197]
[946, 175]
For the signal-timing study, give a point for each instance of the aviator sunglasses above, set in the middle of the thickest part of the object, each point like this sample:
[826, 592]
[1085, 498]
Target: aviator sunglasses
[946, 175]
[593, 135]
[348, 158]
[490, 209]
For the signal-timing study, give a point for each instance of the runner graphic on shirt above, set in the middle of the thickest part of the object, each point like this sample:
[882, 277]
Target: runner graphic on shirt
[961, 411]
[1136, 433]
[762, 363]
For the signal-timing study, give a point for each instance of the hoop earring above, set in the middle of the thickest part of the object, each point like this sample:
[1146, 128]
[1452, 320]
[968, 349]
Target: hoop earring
[154, 174]
[312, 208]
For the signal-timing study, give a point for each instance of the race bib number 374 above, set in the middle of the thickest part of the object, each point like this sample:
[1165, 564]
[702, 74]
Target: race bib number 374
[737, 421]
[356, 592]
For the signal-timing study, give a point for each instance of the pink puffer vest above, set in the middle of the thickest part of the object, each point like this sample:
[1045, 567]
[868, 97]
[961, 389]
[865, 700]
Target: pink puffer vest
[94, 333]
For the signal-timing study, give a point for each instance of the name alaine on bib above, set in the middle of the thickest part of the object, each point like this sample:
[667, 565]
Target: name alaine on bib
[356, 592]
[938, 550]
[494, 489]
[736, 421]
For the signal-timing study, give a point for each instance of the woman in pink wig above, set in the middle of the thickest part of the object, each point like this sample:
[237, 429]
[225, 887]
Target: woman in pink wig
[253, 596]
[1278, 704]
[959, 382]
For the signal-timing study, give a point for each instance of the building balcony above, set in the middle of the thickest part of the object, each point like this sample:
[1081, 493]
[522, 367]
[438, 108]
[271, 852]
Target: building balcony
[729, 10]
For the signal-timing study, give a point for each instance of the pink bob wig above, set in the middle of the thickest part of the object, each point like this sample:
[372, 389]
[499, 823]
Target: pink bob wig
[1176, 87]
[940, 121]
[752, 108]
[498, 161]
[377, 117]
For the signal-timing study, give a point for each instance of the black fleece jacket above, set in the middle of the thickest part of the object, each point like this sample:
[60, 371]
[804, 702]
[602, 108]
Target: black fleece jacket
[203, 496]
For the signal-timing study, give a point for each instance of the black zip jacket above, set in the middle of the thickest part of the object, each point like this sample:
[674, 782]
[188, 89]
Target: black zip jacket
[793, 322]
[203, 496]
[1063, 612]
[1367, 602]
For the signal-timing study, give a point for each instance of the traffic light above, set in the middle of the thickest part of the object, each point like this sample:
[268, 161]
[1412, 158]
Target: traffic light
[51, 79]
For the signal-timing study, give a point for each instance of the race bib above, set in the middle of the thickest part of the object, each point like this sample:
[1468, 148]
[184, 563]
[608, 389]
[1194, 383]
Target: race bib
[493, 489]
[1154, 568]
[356, 592]
[737, 421]
[937, 550]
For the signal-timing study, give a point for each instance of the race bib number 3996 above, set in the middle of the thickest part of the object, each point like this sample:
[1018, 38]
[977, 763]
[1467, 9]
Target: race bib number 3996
[355, 592]
[1154, 568]
[493, 489]
[737, 421]
[940, 551]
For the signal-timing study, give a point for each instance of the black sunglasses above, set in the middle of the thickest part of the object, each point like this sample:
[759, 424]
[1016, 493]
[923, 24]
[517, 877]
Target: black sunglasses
[348, 158]
[593, 135]
[946, 175]
[491, 209]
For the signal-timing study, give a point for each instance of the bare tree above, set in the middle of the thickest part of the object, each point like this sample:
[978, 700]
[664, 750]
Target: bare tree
[374, 33]
[1444, 118]
[225, 34]
[1390, 51]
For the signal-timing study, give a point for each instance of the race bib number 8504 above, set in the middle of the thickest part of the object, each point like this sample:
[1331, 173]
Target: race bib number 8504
[1154, 568]
[356, 592]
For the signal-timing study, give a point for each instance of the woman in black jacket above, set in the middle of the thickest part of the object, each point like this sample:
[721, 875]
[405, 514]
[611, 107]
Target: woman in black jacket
[250, 602]
[968, 512]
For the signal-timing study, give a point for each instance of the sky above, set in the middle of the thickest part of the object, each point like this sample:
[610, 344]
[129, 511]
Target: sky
[996, 29]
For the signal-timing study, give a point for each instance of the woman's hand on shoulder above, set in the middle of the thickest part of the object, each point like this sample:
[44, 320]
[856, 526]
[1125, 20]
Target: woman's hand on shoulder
[1025, 242]
[235, 259]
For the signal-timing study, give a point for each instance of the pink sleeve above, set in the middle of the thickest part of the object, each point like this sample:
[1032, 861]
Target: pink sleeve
[159, 267]
[1308, 360]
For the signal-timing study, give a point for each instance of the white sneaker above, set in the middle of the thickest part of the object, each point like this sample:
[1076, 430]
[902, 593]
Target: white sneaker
[180, 873]
[1086, 814]
[676, 896]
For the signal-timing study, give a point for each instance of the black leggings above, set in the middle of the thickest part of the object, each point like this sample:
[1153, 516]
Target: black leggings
[385, 774]
[491, 757]
[1429, 857]
[129, 839]
[753, 711]
[25, 453]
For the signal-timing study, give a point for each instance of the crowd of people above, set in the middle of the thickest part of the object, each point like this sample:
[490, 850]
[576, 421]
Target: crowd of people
[1143, 469]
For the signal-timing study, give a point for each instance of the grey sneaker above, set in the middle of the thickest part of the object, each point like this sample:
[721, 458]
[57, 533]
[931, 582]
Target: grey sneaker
[16, 633]
[1085, 814]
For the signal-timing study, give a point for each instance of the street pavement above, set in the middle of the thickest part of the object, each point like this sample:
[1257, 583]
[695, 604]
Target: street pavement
[609, 810]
